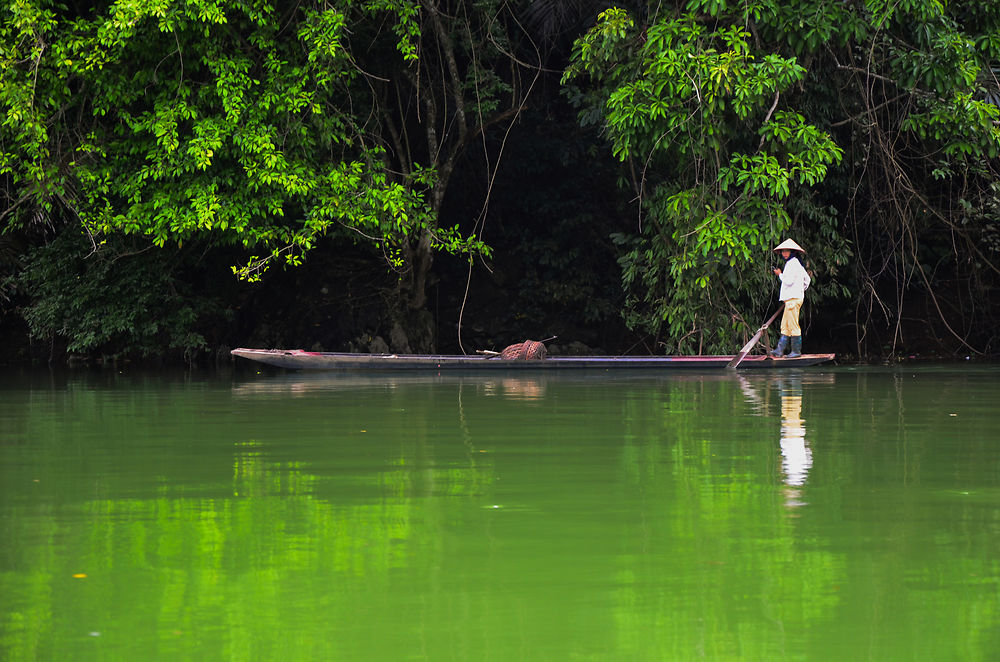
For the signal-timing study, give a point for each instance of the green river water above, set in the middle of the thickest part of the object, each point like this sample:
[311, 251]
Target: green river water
[829, 513]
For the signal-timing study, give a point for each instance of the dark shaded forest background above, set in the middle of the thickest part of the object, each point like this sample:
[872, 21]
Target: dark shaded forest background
[902, 232]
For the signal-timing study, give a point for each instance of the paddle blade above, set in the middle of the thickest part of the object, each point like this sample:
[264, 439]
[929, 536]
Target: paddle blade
[746, 348]
[753, 341]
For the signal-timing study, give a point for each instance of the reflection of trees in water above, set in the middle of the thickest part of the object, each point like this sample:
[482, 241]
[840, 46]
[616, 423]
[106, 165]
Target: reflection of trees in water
[255, 510]
[662, 529]
[714, 551]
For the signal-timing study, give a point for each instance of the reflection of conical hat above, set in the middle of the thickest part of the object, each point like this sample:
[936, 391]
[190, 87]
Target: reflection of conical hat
[790, 245]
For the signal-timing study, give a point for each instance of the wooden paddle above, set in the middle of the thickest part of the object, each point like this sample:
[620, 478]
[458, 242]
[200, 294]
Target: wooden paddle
[753, 341]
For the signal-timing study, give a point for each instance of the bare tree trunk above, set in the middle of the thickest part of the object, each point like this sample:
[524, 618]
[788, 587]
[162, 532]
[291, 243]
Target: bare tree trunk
[433, 100]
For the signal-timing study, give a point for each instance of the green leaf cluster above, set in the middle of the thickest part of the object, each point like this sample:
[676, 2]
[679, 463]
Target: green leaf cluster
[121, 302]
[228, 121]
[695, 105]
[865, 130]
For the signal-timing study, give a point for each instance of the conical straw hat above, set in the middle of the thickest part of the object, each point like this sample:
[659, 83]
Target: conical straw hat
[790, 245]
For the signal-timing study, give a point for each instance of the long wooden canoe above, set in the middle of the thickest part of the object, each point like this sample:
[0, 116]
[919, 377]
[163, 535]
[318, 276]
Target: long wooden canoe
[297, 359]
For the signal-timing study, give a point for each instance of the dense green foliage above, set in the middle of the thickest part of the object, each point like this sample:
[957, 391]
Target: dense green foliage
[256, 132]
[114, 302]
[183, 120]
[704, 103]
[747, 122]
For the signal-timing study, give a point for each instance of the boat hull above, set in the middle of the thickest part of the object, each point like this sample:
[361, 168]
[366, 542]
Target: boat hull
[297, 359]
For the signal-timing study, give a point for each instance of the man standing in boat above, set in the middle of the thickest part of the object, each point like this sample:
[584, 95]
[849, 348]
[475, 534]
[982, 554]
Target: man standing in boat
[794, 283]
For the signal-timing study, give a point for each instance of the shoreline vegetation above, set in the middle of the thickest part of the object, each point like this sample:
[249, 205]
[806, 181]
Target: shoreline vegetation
[435, 176]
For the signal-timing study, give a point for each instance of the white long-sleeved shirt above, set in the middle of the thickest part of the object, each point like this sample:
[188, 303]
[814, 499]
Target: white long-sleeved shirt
[794, 281]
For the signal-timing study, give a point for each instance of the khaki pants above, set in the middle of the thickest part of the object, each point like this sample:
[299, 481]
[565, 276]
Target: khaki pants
[790, 318]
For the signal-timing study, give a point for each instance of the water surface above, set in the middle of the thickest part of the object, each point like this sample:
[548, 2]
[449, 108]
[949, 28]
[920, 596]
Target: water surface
[824, 514]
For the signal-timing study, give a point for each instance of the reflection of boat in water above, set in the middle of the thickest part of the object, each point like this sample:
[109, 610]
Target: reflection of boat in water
[297, 359]
[523, 385]
[515, 388]
[317, 382]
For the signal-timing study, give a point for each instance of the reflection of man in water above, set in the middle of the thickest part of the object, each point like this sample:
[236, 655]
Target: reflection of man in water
[796, 456]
